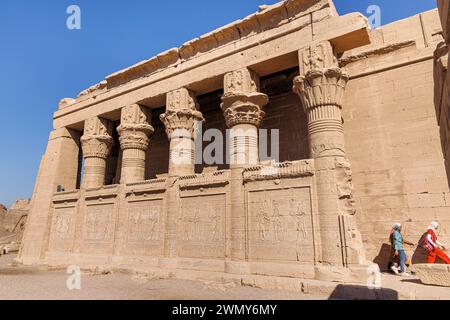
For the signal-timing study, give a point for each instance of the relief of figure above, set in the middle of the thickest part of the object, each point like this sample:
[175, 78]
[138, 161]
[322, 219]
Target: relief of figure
[62, 226]
[276, 221]
[149, 222]
[91, 225]
[186, 228]
[264, 221]
[214, 217]
[134, 226]
[297, 212]
[193, 225]
[97, 224]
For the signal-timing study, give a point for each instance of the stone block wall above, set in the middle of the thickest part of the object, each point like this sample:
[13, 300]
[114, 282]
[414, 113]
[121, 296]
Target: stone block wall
[392, 135]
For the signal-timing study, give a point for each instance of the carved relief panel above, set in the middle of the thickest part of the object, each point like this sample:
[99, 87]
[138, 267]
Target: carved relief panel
[98, 224]
[144, 225]
[62, 229]
[280, 225]
[201, 226]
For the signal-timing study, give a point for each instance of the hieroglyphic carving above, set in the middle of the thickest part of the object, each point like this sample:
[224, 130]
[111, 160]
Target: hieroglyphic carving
[280, 225]
[202, 227]
[98, 222]
[144, 221]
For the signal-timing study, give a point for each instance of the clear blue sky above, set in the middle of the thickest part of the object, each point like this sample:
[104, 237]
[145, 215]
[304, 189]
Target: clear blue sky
[41, 61]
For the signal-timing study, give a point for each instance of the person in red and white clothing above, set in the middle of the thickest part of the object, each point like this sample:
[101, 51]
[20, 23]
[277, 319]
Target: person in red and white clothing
[433, 246]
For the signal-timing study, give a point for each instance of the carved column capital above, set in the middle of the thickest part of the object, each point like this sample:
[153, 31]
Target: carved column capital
[241, 101]
[321, 87]
[96, 144]
[96, 141]
[135, 127]
[181, 112]
[181, 120]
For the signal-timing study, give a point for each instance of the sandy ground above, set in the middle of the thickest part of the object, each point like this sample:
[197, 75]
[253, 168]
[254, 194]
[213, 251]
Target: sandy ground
[18, 282]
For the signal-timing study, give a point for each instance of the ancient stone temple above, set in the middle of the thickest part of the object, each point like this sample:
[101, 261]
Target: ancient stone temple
[359, 148]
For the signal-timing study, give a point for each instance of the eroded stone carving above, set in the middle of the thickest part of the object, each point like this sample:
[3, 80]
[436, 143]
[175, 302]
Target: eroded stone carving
[144, 221]
[283, 224]
[98, 223]
[202, 226]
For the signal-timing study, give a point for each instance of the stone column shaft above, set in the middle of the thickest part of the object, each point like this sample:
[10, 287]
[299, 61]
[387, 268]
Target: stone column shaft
[134, 130]
[96, 143]
[321, 87]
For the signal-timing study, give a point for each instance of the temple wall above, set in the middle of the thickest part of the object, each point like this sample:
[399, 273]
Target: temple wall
[125, 225]
[299, 217]
[392, 136]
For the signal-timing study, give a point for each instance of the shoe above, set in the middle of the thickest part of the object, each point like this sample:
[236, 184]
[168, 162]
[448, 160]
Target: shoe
[395, 270]
[404, 274]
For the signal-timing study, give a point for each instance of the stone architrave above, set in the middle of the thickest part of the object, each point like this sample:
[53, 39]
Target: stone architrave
[321, 86]
[242, 107]
[96, 143]
[134, 133]
[180, 121]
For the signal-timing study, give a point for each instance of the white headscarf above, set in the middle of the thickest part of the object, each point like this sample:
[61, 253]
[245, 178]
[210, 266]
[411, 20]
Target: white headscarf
[433, 226]
[397, 226]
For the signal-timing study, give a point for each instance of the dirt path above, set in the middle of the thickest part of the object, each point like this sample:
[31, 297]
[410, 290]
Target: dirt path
[18, 282]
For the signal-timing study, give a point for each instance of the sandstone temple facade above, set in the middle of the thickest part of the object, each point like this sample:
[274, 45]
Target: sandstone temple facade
[359, 148]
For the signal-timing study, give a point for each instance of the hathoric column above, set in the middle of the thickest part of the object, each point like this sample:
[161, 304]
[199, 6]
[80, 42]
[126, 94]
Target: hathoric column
[321, 86]
[180, 120]
[134, 131]
[96, 143]
[242, 107]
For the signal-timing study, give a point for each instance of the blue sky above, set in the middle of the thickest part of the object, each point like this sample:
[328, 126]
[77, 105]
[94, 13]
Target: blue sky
[41, 61]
